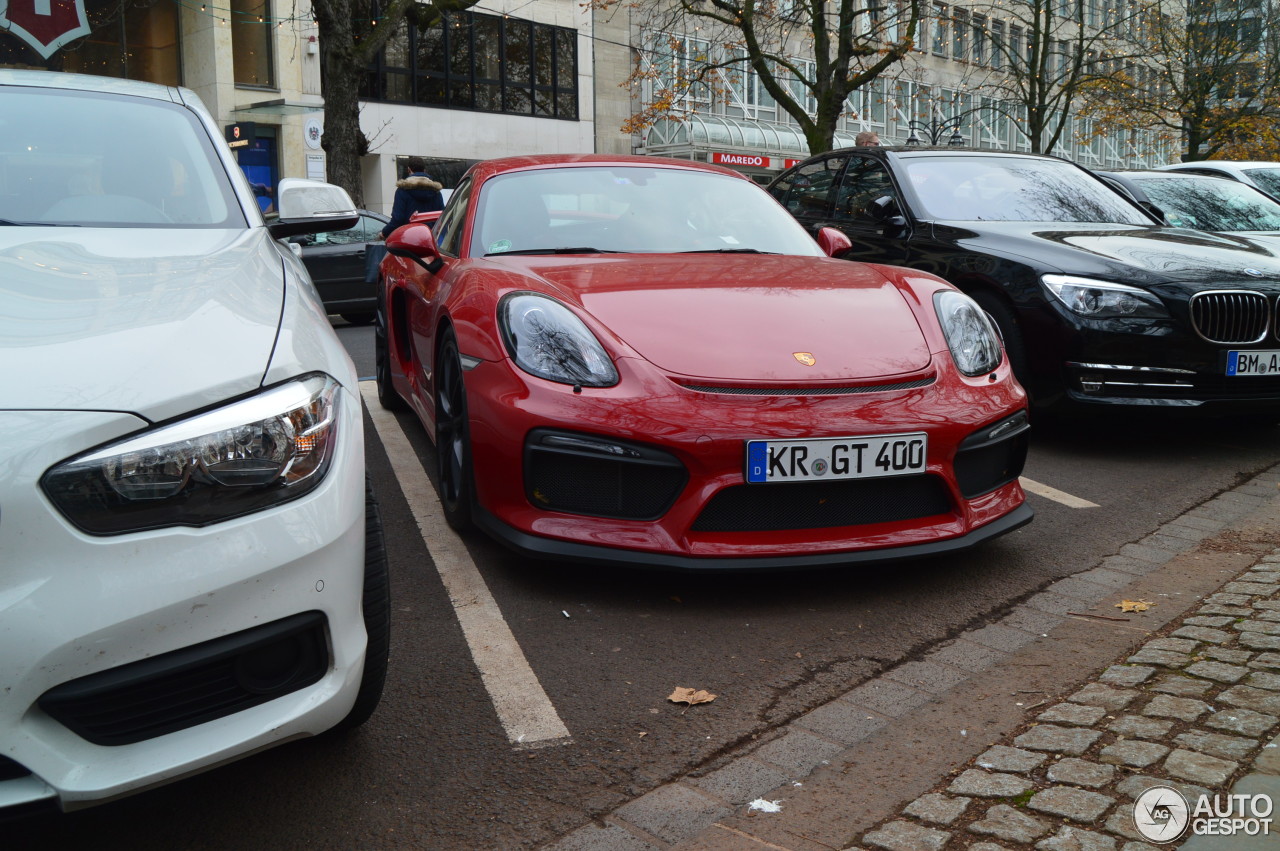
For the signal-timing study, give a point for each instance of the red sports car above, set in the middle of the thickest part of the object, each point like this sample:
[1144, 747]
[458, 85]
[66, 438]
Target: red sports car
[649, 362]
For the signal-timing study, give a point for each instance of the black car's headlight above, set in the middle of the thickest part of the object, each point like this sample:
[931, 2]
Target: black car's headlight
[244, 457]
[973, 341]
[546, 339]
[1104, 300]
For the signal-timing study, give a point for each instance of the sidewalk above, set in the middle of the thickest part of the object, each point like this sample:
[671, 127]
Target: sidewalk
[1037, 731]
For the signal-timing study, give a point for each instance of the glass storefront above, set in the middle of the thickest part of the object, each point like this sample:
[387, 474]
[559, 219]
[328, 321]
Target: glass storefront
[135, 39]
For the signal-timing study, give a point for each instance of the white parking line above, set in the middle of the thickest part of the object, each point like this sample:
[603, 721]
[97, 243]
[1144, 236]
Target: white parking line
[1055, 494]
[523, 707]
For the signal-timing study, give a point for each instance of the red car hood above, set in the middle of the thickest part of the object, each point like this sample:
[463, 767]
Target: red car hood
[748, 317]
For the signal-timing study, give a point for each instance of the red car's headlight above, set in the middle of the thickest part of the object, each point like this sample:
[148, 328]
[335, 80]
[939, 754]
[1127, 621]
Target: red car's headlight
[546, 339]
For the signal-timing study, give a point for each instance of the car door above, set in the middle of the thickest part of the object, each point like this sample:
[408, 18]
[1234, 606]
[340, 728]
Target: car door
[864, 182]
[336, 261]
[808, 192]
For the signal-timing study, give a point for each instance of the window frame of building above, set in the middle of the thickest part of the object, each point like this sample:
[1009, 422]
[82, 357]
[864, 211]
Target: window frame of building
[941, 45]
[463, 63]
[253, 44]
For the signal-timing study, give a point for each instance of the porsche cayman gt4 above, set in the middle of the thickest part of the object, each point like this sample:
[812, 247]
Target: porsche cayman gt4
[649, 362]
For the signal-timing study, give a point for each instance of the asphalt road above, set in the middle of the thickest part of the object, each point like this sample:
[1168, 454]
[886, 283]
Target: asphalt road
[434, 768]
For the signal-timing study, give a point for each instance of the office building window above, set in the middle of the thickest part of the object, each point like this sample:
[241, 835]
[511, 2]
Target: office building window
[252, 34]
[486, 63]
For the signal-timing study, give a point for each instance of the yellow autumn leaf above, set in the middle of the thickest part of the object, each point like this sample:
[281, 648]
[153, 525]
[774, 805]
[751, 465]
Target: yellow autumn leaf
[691, 696]
[1134, 605]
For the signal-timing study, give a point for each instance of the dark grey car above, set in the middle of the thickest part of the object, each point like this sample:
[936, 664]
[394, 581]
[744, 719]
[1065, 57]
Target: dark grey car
[336, 263]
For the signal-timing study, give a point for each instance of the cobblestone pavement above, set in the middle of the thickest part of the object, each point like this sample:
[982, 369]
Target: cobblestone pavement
[1195, 710]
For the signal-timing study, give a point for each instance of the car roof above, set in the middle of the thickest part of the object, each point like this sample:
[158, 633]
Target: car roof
[1225, 165]
[87, 83]
[488, 168]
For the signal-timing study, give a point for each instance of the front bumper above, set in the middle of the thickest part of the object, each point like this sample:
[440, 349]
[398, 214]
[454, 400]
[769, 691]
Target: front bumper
[81, 612]
[706, 433]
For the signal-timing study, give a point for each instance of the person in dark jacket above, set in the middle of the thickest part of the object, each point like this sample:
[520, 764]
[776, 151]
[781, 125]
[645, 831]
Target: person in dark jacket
[416, 193]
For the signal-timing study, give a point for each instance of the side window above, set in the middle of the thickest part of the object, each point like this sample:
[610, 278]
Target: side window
[864, 181]
[807, 192]
[449, 226]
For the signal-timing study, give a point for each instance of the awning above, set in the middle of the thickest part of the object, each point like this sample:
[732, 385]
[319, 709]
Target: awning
[280, 106]
[695, 134]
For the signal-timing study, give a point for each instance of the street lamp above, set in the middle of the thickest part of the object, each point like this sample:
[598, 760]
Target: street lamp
[935, 131]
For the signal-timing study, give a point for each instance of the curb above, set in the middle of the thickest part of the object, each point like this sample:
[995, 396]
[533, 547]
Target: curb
[848, 767]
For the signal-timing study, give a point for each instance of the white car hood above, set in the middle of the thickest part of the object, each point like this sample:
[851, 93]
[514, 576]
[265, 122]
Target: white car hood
[154, 322]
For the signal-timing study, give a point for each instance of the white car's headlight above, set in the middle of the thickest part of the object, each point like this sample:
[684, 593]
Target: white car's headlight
[546, 339]
[1103, 299]
[974, 343]
[244, 457]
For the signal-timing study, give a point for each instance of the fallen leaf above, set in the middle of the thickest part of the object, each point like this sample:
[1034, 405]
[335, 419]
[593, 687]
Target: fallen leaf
[1134, 605]
[691, 696]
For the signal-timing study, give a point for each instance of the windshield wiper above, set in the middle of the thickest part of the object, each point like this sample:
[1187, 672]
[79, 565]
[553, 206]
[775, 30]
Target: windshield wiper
[13, 224]
[728, 251]
[577, 250]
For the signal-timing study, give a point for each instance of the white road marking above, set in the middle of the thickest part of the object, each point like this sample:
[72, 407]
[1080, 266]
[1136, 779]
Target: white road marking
[1055, 494]
[523, 707]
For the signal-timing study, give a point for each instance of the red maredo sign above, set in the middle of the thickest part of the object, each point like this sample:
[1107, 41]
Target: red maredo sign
[46, 25]
[740, 159]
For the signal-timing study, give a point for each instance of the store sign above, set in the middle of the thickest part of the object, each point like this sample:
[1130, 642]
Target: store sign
[241, 135]
[740, 159]
[46, 25]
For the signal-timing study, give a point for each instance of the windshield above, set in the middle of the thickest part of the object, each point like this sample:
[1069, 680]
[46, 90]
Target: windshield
[1014, 189]
[1211, 203]
[102, 160]
[1267, 178]
[632, 209]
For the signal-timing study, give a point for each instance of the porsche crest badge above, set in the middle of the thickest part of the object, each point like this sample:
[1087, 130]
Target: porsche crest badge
[804, 358]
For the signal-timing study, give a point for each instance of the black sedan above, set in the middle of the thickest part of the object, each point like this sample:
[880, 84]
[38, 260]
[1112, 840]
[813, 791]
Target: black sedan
[336, 263]
[1098, 302]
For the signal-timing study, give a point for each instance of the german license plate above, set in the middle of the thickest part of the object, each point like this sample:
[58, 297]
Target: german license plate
[836, 458]
[1256, 362]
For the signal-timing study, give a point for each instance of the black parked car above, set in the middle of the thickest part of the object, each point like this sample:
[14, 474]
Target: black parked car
[1097, 301]
[336, 263]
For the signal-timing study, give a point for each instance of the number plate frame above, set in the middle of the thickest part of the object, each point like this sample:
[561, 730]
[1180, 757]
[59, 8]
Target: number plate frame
[875, 456]
[1269, 358]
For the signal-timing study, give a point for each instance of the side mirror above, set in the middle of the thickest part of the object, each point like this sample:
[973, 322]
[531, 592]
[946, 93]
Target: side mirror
[311, 206]
[833, 242]
[416, 242]
[885, 209]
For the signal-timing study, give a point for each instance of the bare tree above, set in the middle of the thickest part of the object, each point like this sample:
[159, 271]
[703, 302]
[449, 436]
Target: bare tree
[1051, 53]
[351, 34]
[808, 55]
[1212, 77]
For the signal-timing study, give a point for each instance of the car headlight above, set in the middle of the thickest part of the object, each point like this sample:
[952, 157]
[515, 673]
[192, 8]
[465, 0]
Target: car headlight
[1104, 300]
[244, 457]
[546, 339]
[973, 341]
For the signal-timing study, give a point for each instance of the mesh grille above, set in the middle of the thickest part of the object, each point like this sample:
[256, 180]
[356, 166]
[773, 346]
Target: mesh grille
[1230, 317]
[823, 505]
[187, 687]
[808, 391]
[599, 486]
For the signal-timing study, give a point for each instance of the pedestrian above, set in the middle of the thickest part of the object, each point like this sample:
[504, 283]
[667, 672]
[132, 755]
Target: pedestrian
[416, 193]
[867, 138]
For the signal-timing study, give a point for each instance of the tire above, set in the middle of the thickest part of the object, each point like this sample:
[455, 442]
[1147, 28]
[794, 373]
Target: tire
[361, 318]
[388, 398]
[1002, 315]
[377, 618]
[453, 439]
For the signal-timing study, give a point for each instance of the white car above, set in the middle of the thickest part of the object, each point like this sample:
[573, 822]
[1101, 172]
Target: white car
[192, 565]
[1263, 176]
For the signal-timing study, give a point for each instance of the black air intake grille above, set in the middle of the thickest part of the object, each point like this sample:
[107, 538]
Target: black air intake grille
[578, 474]
[823, 505]
[1230, 317]
[193, 685]
[809, 391]
[10, 770]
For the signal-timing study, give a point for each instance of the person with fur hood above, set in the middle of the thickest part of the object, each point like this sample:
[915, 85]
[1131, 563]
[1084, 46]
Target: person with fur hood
[416, 193]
